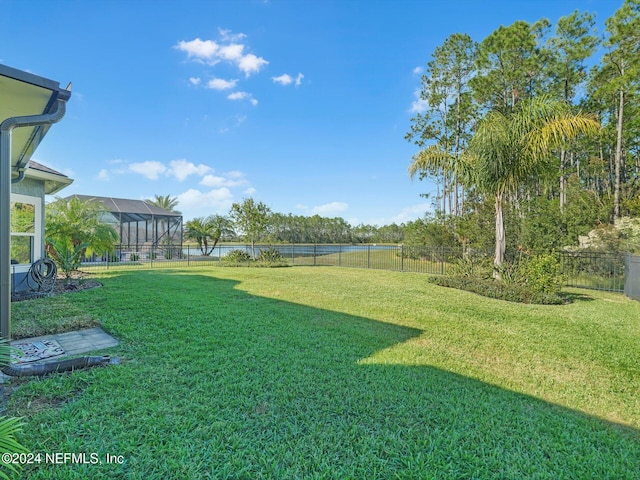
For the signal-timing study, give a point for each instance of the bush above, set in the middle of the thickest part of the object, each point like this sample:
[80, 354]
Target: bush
[542, 274]
[68, 257]
[470, 267]
[270, 255]
[499, 290]
[134, 257]
[237, 256]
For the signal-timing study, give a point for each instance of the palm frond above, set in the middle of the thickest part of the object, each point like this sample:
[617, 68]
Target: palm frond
[431, 160]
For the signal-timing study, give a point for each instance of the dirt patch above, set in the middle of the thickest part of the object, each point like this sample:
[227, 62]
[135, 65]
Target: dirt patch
[74, 285]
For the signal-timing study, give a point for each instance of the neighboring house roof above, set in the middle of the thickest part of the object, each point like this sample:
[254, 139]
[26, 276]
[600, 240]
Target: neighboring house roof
[53, 181]
[130, 210]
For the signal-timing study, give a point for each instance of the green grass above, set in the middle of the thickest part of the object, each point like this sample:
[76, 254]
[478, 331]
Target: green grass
[341, 373]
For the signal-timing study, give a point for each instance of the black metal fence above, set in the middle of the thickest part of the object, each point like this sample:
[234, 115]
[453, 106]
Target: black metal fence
[595, 270]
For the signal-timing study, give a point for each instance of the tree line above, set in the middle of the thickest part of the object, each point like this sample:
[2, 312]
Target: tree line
[526, 132]
[254, 221]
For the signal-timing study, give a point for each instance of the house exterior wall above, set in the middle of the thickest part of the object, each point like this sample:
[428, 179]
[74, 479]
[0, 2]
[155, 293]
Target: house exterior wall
[34, 190]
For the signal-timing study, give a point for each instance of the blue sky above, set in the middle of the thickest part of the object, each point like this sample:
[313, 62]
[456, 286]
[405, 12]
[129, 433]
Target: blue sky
[301, 104]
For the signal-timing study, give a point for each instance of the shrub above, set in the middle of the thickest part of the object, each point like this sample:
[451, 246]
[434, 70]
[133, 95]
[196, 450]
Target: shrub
[470, 267]
[237, 256]
[499, 290]
[68, 257]
[542, 273]
[270, 255]
[134, 257]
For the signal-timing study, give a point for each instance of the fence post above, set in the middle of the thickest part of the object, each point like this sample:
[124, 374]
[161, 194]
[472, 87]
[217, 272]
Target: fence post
[368, 256]
[442, 260]
[402, 258]
[314, 254]
[339, 255]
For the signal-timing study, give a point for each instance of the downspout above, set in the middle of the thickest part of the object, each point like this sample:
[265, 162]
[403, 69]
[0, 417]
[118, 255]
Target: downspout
[20, 177]
[6, 129]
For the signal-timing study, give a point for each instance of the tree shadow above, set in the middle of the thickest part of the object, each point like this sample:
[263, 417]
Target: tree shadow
[252, 387]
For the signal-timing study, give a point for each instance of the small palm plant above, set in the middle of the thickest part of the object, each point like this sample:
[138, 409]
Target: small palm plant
[9, 426]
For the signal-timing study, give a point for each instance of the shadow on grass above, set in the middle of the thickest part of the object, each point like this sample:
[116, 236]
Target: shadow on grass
[577, 297]
[223, 384]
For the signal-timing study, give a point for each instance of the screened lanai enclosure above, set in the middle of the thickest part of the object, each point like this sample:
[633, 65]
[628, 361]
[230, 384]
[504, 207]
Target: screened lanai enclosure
[144, 230]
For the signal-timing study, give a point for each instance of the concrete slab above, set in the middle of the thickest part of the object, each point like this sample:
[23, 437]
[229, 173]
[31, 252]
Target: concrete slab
[73, 343]
[77, 342]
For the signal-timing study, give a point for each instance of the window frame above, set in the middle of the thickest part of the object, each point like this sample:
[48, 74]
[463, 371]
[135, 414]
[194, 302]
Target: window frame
[36, 235]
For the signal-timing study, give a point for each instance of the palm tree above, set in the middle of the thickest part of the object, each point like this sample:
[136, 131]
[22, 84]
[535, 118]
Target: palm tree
[169, 204]
[165, 202]
[508, 150]
[433, 161]
[74, 228]
[206, 230]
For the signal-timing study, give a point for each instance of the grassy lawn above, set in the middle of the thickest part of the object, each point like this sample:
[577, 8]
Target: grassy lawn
[324, 372]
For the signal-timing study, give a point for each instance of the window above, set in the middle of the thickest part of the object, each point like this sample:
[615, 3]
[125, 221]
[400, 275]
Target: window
[25, 229]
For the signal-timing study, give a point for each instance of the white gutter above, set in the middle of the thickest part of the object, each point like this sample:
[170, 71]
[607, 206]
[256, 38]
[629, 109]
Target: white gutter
[6, 129]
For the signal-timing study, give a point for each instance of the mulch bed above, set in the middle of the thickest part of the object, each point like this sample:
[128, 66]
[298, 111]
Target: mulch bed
[77, 283]
[74, 285]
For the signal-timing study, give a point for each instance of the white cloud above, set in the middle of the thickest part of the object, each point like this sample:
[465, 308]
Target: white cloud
[238, 96]
[194, 80]
[251, 64]
[182, 168]
[235, 174]
[227, 36]
[217, 181]
[330, 208]
[228, 49]
[286, 79]
[242, 96]
[283, 79]
[232, 52]
[218, 199]
[250, 191]
[221, 84]
[411, 213]
[200, 49]
[149, 169]
[407, 214]
[418, 105]
[103, 175]
[418, 70]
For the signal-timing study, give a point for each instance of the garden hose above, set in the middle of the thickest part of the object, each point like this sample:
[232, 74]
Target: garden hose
[42, 275]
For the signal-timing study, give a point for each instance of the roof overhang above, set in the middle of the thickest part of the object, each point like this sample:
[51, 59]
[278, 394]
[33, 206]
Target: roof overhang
[29, 104]
[24, 94]
[53, 182]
